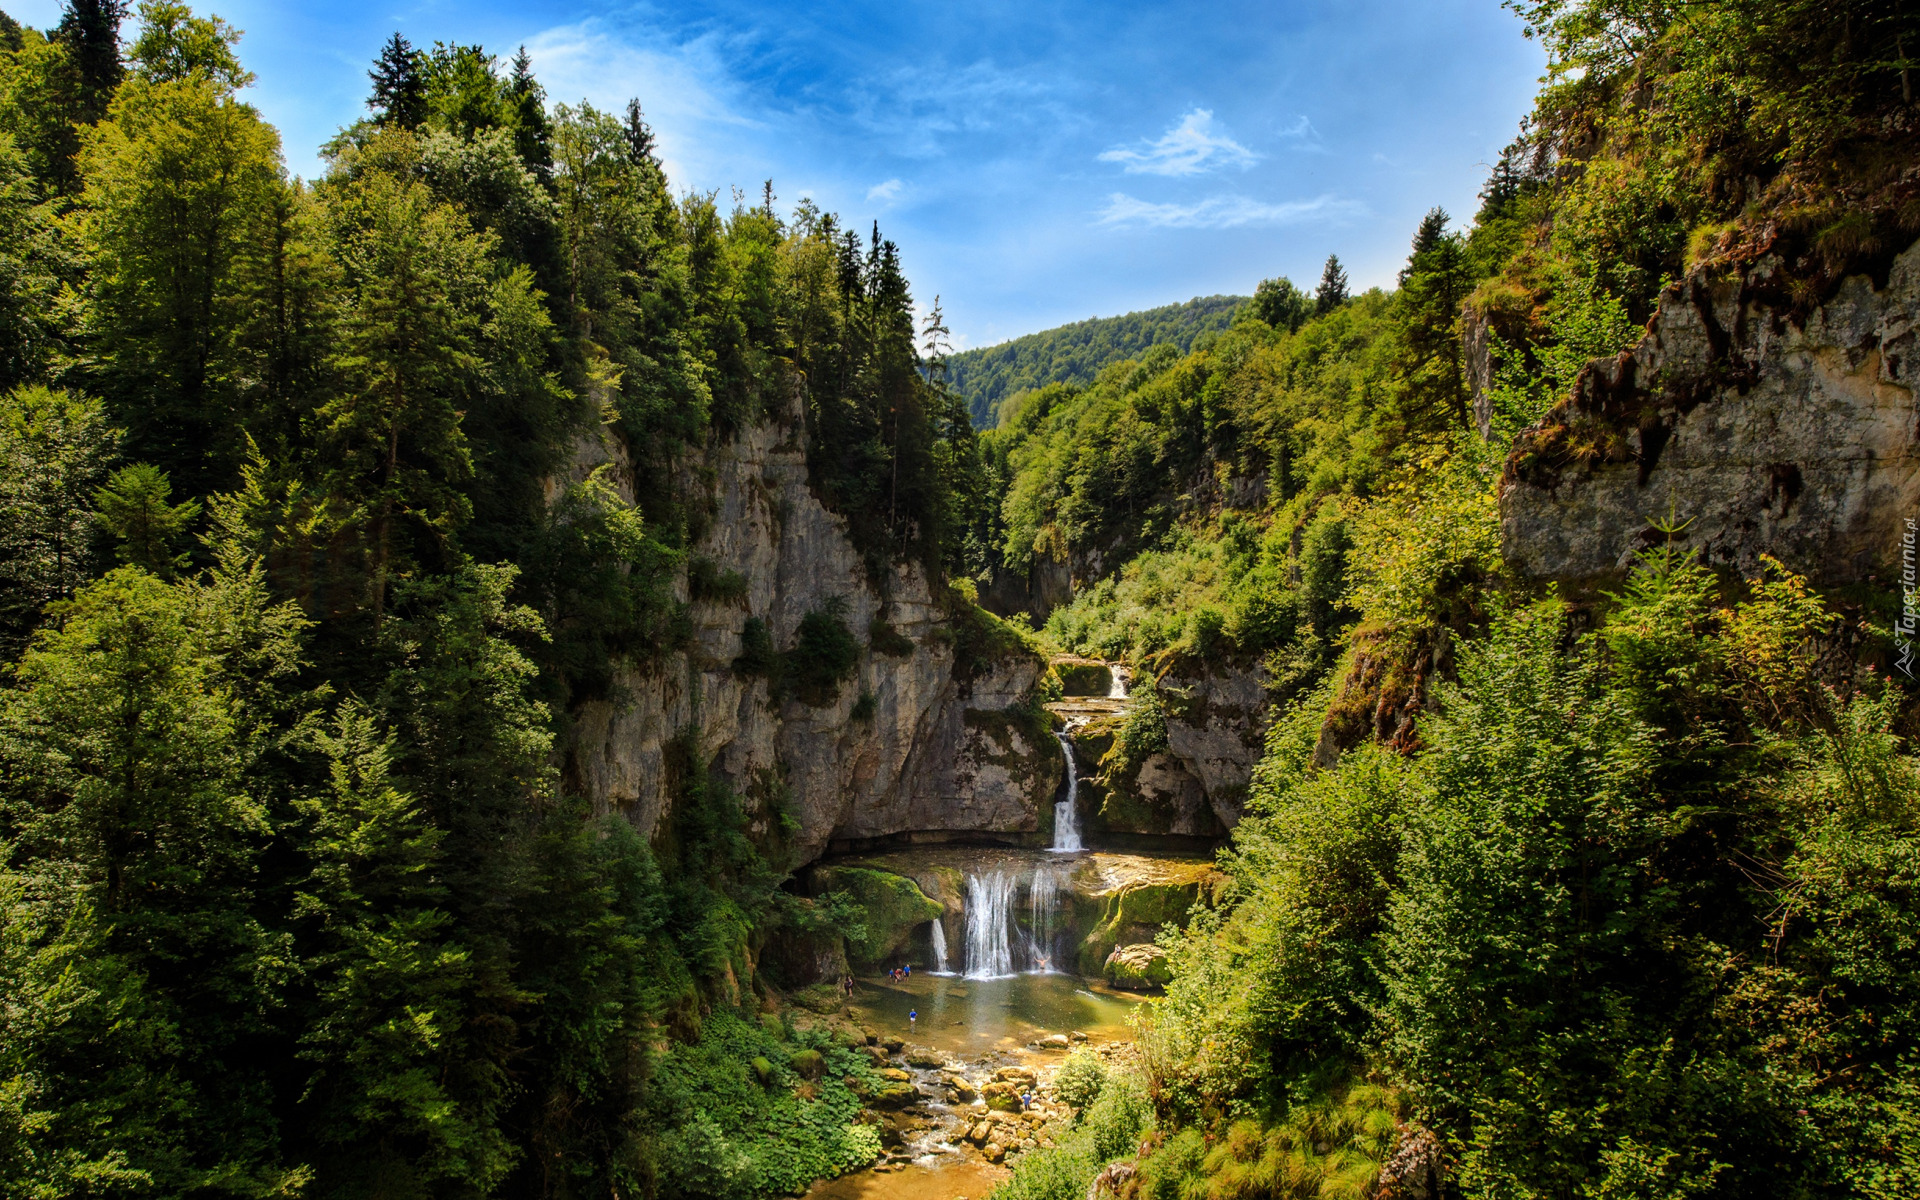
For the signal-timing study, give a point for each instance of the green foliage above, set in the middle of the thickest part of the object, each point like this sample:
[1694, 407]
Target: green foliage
[1108, 1129]
[1280, 304]
[1080, 1080]
[1077, 353]
[1548, 928]
[133, 509]
[728, 1136]
[823, 656]
[54, 452]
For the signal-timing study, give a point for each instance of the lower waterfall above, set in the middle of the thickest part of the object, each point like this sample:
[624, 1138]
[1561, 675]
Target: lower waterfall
[939, 948]
[999, 944]
[989, 925]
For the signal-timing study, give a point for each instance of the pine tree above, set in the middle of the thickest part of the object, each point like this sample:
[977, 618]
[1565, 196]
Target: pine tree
[1433, 228]
[399, 85]
[1332, 292]
[532, 133]
[90, 31]
[1433, 285]
[133, 508]
[640, 144]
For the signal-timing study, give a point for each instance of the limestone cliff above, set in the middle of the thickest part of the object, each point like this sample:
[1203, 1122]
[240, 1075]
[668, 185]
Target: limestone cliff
[1756, 428]
[1217, 718]
[910, 744]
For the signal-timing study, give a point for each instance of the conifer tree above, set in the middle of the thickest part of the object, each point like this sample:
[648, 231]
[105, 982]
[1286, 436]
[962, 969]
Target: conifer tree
[640, 143]
[399, 85]
[134, 509]
[1332, 292]
[90, 32]
[532, 133]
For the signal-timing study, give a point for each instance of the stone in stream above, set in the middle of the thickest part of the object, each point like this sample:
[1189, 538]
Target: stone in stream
[1001, 1096]
[995, 1152]
[920, 1056]
[1054, 1041]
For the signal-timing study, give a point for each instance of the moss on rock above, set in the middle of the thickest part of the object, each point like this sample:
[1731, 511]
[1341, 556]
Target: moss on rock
[1083, 676]
[1138, 967]
[894, 906]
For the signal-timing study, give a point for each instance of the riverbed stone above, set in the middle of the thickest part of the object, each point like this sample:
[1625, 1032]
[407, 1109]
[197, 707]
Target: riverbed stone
[1001, 1096]
[894, 1095]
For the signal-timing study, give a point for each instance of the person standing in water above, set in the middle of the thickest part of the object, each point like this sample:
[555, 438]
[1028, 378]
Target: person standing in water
[913, 1015]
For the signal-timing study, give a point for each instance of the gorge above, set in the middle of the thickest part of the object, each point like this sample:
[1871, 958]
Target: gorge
[523, 677]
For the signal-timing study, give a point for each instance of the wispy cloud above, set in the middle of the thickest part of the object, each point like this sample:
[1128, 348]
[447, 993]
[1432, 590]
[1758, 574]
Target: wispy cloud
[886, 192]
[1189, 148]
[1303, 138]
[1225, 212]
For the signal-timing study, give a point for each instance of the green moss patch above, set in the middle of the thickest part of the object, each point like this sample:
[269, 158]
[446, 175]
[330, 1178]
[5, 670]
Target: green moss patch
[893, 905]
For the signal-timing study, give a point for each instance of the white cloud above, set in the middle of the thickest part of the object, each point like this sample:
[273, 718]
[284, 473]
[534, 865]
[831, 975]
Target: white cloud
[1225, 212]
[1189, 148]
[682, 86]
[885, 193]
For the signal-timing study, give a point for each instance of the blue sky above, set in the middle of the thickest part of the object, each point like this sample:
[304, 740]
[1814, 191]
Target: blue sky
[1037, 163]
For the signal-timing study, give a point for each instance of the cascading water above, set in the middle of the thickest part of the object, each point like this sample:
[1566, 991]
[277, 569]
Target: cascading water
[1117, 690]
[1066, 814]
[998, 943]
[990, 924]
[1043, 904]
[939, 948]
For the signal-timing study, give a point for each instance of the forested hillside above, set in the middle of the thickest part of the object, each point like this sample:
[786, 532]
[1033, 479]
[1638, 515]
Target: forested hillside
[1603, 886]
[1075, 353]
[301, 577]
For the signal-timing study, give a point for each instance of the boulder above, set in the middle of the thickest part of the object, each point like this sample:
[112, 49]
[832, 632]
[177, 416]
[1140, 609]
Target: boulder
[891, 1094]
[894, 906]
[1001, 1097]
[1140, 967]
[1082, 676]
[807, 1064]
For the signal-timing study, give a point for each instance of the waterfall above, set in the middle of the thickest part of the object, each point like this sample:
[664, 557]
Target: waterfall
[998, 944]
[1043, 903]
[989, 925]
[939, 948]
[1066, 814]
[1117, 690]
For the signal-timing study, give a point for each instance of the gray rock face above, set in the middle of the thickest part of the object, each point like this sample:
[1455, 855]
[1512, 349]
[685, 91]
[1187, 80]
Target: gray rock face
[1764, 436]
[1217, 722]
[933, 752]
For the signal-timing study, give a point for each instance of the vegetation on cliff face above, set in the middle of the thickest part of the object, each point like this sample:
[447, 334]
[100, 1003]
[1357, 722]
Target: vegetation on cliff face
[1532, 898]
[291, 897]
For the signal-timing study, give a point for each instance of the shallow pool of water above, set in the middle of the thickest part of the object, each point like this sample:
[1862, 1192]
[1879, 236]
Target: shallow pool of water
[974, 1017]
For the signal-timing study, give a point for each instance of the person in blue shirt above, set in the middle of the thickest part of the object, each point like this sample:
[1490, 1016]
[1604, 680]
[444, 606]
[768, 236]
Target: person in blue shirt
[913, 1014]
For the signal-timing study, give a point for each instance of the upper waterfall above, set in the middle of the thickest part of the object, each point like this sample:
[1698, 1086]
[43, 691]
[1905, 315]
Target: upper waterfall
[1066, 814]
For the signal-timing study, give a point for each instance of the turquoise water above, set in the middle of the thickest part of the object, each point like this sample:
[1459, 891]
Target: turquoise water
[972, 1017]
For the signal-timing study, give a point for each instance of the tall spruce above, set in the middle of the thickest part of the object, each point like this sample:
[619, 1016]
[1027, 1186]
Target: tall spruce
[399, 85]
[1332, 292]
[89, 30]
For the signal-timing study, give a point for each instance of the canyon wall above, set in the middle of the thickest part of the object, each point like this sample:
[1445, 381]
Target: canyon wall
[1741, 425]
[915, 742]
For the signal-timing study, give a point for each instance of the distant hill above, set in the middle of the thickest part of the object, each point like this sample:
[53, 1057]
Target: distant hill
[1075, 353]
